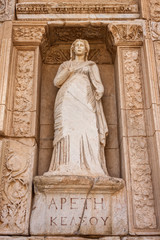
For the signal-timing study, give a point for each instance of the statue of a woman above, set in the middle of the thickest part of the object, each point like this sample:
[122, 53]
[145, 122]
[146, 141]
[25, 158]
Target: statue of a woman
[80, 127]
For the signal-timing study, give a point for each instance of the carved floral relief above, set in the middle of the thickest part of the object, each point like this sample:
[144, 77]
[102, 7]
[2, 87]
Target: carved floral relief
[28, 33]
[17, 162]
[141, 180]
[126, 33]
[155, 9]
[23, 93]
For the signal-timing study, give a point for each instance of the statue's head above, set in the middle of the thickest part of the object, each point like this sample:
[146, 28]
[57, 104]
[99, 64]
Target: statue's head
[80, 46]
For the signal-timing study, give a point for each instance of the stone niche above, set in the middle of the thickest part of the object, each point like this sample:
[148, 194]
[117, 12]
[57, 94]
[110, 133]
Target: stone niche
[59, 51]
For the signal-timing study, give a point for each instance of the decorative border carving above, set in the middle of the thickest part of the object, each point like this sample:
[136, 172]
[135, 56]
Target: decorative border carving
[23, 94]
[126, 34]
[140, 170]
[2, 6]
[72, 8]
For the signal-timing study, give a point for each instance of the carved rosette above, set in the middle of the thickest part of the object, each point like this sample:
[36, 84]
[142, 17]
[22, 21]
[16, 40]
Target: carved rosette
[16, 182]
[141, 180]
[7, 10]
[123, 34]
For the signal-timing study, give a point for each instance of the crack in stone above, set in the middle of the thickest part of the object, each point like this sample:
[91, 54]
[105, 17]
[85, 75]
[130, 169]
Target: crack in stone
[84, 207]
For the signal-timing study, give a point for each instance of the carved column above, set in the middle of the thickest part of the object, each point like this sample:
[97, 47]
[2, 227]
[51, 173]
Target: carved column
[134, 140]
[19, 145]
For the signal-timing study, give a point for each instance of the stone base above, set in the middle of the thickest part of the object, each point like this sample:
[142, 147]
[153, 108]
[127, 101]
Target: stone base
[76, 205]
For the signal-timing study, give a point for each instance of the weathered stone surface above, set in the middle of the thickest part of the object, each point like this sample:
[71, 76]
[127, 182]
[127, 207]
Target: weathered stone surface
[78, 205]
[7, 10]
[16, 172]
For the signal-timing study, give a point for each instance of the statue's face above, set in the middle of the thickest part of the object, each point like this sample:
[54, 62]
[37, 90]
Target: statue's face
[79, 48]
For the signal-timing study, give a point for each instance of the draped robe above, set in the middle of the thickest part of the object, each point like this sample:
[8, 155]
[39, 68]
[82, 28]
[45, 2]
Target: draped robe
[80, 127]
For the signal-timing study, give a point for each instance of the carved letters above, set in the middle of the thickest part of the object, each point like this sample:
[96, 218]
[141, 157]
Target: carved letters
[16, 186]
[126, 33]
[67, 8]
[23, 96]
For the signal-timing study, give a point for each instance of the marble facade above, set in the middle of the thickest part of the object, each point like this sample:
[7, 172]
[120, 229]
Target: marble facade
[125, 44]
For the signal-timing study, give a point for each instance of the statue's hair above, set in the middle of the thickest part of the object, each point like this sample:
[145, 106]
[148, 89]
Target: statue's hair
[72, 53]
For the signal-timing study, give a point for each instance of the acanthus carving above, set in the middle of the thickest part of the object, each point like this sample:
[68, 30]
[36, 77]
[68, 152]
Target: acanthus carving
[59, 55]
[28, 33]
[23, 96]
[15, 188]
[142, 189]
[155, 30]
[123, 33]
[71, 8]
[155, 9]
[132, 79]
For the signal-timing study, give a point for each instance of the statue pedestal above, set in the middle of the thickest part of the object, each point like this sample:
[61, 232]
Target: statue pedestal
[78, 205]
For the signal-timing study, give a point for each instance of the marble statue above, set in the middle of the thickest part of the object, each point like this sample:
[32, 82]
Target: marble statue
[80, 127]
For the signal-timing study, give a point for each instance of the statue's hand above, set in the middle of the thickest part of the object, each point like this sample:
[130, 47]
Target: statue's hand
[98, 95]
[71, 70]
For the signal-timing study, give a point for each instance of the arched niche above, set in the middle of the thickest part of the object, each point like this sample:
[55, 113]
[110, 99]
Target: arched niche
[56, 51]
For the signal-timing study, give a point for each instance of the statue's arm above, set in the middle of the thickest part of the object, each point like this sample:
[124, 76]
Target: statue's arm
[62, 75]
[96, 81]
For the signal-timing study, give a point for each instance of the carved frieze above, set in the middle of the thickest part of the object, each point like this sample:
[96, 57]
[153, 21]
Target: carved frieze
[23, 93]
[142, 189]
[126, 34]
[132, 79]
[28, 34]
[74, 8]
[16, 182]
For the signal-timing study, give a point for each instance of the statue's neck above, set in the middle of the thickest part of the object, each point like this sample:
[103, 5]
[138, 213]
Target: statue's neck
[79, 58]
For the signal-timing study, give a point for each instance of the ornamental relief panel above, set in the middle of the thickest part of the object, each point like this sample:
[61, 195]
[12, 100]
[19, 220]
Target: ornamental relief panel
[28, 33]
[132, 79]
[142, 189]
[16, 182]
[141, 180]
[23, 108]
